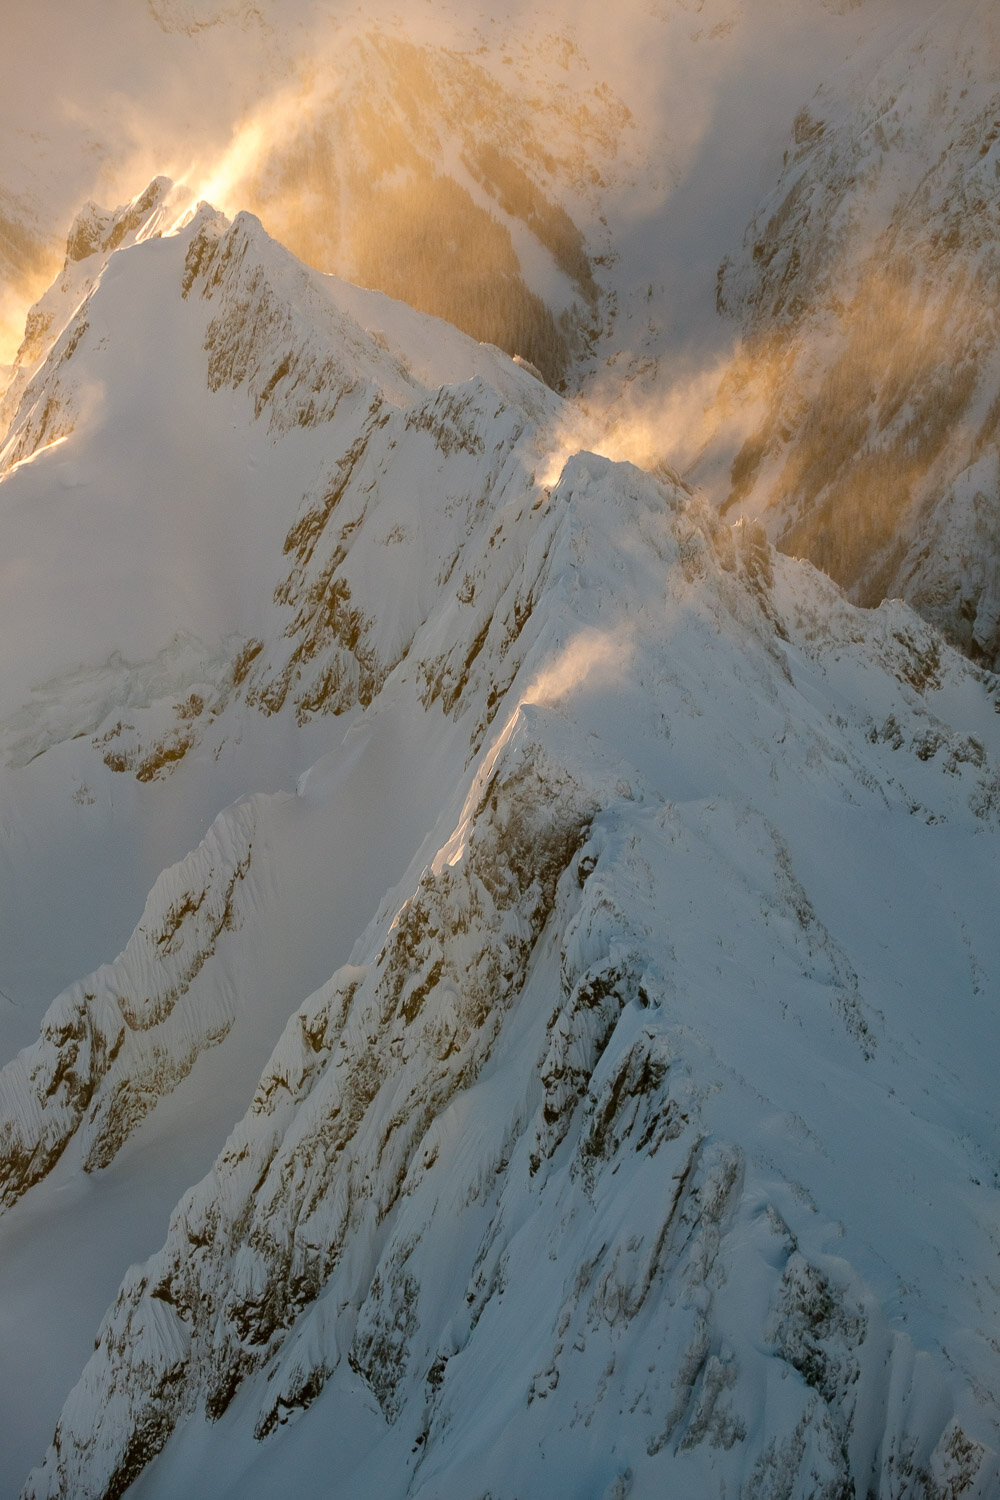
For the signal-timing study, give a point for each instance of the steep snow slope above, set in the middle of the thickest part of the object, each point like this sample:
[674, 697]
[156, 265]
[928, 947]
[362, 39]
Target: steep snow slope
[128, 680]
[126, 724]
[632, 1129]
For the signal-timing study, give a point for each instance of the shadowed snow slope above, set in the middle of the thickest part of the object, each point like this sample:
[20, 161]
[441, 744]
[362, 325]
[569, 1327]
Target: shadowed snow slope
[624, 950]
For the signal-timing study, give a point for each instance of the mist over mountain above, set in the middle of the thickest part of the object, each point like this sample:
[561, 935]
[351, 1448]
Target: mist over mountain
[866, 289]
[499, 964]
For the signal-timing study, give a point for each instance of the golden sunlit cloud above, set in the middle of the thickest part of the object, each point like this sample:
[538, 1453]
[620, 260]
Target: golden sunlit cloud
[671, 423]
[224, 181]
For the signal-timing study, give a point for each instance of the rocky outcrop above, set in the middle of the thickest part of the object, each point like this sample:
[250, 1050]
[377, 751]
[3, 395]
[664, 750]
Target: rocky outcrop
[112, 1045]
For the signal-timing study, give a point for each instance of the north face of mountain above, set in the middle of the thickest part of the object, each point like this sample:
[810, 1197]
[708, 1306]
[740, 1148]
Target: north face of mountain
[208, 409]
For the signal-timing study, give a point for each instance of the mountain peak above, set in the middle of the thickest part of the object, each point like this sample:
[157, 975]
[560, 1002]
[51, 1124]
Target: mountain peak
[100, 231]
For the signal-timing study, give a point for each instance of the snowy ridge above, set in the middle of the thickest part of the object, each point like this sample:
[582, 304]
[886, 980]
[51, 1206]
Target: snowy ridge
[57, 322]
[533, 1061]
[281, 335]
[292, 353]
[327, 657]
[114, 1043]
[155, 671]
[323, 654]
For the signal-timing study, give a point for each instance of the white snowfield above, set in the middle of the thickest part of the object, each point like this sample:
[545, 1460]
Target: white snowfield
[594, 942]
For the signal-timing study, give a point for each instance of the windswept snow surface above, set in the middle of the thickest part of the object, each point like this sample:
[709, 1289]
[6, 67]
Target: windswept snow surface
[567, 982]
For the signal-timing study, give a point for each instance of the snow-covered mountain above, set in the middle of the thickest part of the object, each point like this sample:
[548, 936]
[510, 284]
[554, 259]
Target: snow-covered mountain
[450, 158]
[591, 192]
[565, 988]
